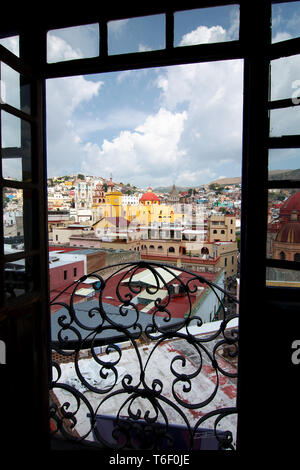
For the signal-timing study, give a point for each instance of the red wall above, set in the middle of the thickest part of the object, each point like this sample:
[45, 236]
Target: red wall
[56, 274]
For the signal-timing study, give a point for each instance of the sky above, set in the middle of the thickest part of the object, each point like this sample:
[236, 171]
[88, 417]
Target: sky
[155, 127]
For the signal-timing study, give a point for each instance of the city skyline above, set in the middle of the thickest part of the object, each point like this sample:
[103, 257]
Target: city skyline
[179, 123]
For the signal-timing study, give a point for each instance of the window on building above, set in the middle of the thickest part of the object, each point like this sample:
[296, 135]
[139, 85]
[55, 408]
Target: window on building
[75, 272]
[225, 261]
[297, 257]
[282, 255]
[65, 275]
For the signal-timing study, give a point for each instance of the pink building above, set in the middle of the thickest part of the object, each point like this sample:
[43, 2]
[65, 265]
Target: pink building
[62, 273]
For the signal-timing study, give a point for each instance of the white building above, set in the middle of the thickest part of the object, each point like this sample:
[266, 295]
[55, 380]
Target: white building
[131, 199]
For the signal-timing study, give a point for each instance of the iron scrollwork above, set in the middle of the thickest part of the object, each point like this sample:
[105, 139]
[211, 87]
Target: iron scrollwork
[122, 408]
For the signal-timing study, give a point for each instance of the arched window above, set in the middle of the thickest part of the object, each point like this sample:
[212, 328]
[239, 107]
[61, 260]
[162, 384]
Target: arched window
[297, 257]
[160, 248]
[151, 247]
[282, 255]
[215, 231]
[171, 249]
[223, 231]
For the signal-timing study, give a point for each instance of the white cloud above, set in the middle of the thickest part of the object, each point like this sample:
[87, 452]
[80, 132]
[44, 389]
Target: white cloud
[125, 118]
[116, 27]
[281, 36]
[58, 49]
[212, 95]
[203, 35]
[195, 132]
[151, 150]
[64, 96]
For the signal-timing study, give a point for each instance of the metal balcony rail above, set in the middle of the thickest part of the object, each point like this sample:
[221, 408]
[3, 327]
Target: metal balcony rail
[138, 366]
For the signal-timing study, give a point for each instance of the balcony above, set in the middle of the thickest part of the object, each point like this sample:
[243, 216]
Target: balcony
[141, 365]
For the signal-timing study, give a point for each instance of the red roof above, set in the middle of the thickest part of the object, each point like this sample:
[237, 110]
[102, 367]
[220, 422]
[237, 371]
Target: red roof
[178, 306]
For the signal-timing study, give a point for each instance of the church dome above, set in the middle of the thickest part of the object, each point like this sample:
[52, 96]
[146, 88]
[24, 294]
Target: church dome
[291, 205]
[149, 196]
[289, 233]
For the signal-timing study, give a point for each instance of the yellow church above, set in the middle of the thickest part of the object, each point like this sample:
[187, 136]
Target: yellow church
[111, 214]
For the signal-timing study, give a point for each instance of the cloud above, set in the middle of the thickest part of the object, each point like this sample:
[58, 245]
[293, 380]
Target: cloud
[203, 35]
[212, 95]
[58, 50]
[64, 96]
[149, 151]
[194, 134]
[117, 27]
[125, 118]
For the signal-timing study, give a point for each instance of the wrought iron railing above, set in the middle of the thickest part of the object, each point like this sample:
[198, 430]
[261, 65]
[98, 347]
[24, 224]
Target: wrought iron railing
[139, 366]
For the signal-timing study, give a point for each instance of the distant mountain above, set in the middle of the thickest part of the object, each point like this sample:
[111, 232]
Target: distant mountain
[285, 174]
[223, 181]
[168, 189]
[273, 175]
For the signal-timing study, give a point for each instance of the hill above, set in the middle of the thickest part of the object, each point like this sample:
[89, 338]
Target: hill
[168, 189]
[273, 175]
[285, 174]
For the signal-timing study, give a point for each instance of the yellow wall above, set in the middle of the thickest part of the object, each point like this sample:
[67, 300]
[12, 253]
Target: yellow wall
[143, 214]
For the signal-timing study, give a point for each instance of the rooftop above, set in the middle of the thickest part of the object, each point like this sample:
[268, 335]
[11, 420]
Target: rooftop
[159, 360]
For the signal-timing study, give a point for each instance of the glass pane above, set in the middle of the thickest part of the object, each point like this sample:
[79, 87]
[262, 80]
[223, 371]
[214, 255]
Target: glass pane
[18, 278]
[15, 89]
[206, 25]
[15, 147]
[285, 78]
[285, 21]
[284, 164]
[283, 235]
[17, 220]
[282, 277]
[13, 220]
[285, 121]
[136, 34]
[77, 42]
[11, 43]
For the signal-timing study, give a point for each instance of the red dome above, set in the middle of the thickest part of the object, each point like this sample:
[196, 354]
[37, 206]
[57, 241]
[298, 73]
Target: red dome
[292, 204]
[149, 196]
[289, 233]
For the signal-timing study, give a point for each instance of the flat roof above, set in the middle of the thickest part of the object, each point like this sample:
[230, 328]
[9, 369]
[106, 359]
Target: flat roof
[147, 277]
[108, 335]
[69, 249]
